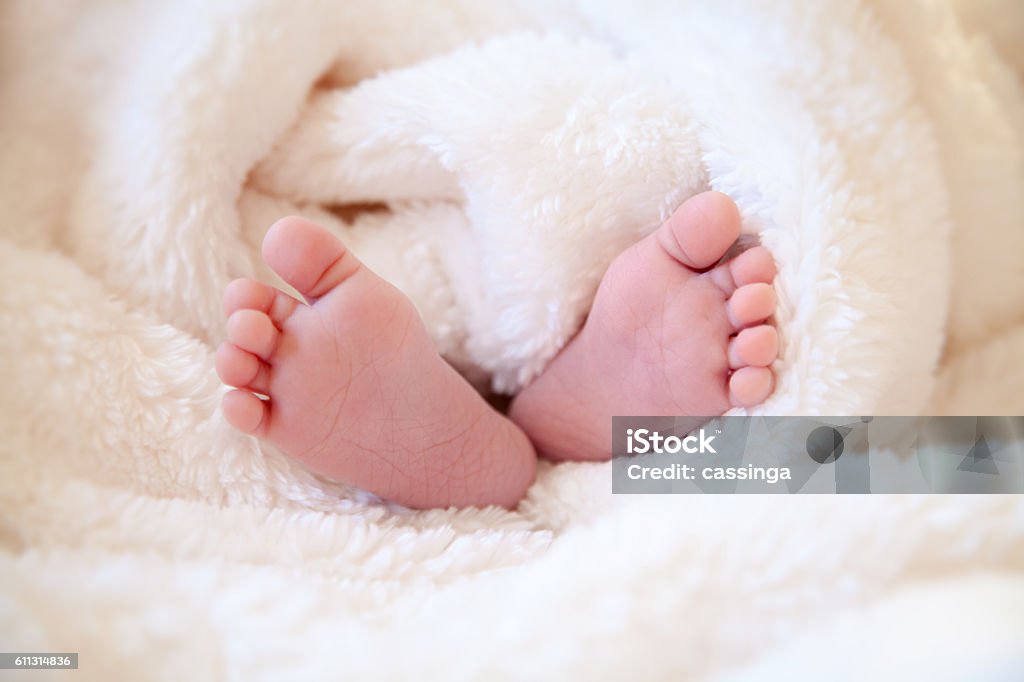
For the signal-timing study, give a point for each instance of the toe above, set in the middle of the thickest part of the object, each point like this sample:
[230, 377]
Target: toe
[241, 369]
[750, 386]
[248, 294]
[752, 266]
[252, 331]
[756, 346]
[244, 411]
[701, 230]
[307, 256]
[244, 294]
[751, 304]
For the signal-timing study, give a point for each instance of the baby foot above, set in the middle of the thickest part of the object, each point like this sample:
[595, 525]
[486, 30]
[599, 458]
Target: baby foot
[665, 336]
[356, 391]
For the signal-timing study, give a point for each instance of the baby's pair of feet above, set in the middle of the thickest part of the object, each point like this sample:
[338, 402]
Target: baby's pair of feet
[356, 392]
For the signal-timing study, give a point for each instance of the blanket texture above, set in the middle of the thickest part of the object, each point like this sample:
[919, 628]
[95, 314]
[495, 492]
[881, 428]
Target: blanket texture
[490, 159]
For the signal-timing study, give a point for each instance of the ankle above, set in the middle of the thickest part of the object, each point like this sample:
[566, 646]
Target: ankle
[557, 420]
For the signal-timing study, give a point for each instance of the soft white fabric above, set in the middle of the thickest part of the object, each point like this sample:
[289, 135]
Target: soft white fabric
[514, 148]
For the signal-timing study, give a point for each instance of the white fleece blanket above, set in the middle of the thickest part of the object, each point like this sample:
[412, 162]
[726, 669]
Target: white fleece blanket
[490, 159]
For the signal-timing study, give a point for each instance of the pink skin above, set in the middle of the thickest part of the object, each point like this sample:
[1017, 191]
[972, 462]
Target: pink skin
[357, 392]
[665, 336]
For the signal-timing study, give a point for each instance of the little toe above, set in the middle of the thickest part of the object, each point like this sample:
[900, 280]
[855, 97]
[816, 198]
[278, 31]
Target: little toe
[750, 386]
[244, 294]
[244, 411]
[253, 331]
[752, 266]
[700, 232]
[755, 346]
[751, 304]
[307, 256]
[241, 369]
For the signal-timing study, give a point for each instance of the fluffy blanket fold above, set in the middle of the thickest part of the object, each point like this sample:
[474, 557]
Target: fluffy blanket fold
[491, 159]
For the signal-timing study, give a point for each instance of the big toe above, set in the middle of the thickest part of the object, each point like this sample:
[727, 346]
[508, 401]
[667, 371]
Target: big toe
[307, 256]
[700, 232]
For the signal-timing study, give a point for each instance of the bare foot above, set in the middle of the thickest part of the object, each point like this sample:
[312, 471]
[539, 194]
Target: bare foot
[356, 390]
[664, 337]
